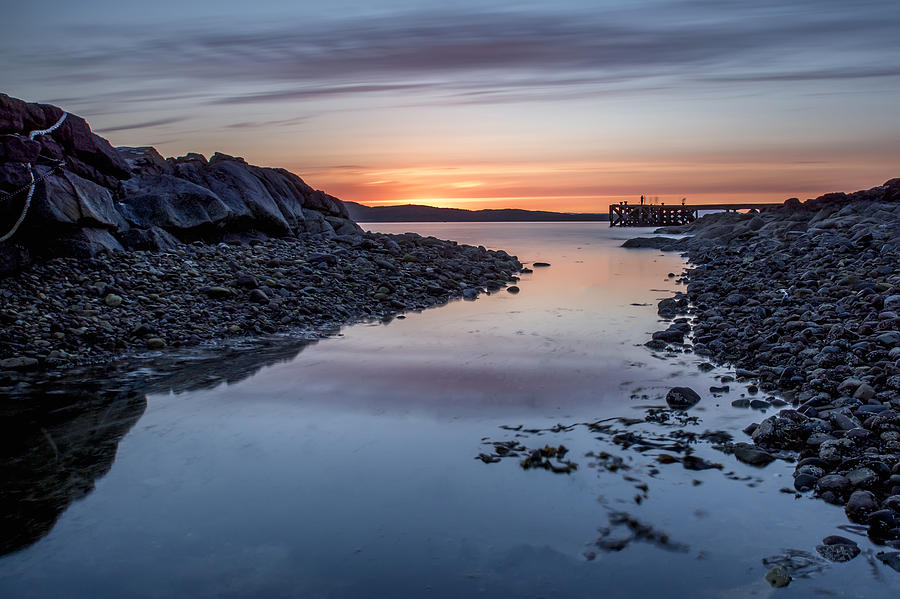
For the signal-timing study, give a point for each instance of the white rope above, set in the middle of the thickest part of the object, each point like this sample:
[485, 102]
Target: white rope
[21, 218]
[34, 134]
[15, 227]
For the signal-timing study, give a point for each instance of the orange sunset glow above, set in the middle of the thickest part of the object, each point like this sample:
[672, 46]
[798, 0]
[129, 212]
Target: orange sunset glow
[587, 187]
[566, 107]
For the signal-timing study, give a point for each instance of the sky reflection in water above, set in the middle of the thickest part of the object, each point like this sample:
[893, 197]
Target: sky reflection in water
[349, 472]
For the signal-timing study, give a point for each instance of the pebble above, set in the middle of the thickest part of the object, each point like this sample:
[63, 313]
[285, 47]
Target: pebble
[156, 343]
[112, 300]
[778, 577]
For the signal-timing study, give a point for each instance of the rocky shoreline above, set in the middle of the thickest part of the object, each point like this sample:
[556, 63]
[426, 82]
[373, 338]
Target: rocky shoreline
[121, 251]
[804, 301]
[67, 311]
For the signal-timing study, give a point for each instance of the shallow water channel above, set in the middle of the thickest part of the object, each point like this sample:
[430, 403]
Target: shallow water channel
[348, 467]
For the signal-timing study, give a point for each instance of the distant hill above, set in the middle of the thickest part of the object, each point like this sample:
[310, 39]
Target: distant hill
[415, 213]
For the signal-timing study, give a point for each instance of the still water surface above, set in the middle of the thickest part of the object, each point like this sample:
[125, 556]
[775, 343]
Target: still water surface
[349, 470]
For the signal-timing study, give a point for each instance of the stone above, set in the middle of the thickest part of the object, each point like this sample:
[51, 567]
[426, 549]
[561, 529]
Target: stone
[862, 477]
[836, 450]
[669, 336]
[864, 392]
[778, 577]
[247, 281]
[218, 292]
[18, 363]
[890, 559]
[892, 302]
[667, 307]
[752, 455]
[512, 289]
[155, 343]
[258, 295]
[317, 258]
[838, 549]
[834, 483]
[804, 482]
[785, 430]
[890, 339]
[860, 505]
[112, 300]
[658, 243]
[682, 398]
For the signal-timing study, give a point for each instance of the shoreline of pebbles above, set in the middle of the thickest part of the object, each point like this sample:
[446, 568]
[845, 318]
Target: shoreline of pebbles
[70, 311]
[804, 301]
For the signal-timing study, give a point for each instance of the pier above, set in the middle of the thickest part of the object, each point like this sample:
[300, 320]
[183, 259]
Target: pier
[660, 215]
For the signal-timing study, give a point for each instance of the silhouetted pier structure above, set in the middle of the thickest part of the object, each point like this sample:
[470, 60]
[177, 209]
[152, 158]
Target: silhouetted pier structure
[660, 215]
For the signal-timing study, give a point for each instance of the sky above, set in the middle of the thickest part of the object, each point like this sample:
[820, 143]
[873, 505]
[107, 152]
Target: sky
[568, 105]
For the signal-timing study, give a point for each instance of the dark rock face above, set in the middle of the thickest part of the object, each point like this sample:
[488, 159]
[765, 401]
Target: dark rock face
[87, 155]
[113, 199]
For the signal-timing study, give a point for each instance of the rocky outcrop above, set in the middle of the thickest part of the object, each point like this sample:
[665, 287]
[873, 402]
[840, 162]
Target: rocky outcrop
[114, 199]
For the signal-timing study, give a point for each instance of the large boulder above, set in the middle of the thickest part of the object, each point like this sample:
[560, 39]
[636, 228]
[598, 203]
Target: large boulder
[251, 204]
[108, 199]
[86, 154]
[172, 203]
[67, 199]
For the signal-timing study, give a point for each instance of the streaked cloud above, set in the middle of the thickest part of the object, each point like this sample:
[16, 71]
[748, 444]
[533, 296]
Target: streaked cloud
[490, 55]
[142, 125]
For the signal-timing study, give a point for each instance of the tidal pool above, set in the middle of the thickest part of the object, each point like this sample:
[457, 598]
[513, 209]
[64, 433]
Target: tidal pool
[348, 467]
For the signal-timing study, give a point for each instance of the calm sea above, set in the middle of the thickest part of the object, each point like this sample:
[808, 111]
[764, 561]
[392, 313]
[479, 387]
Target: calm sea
[348, 469]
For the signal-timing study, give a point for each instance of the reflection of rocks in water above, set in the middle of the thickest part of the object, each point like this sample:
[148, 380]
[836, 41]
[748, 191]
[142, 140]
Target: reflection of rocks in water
[192, 369]
[58, 434]
[53, 448]
[196, 370]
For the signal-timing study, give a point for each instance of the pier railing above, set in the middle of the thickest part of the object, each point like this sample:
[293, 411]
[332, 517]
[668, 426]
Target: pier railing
[646, 215]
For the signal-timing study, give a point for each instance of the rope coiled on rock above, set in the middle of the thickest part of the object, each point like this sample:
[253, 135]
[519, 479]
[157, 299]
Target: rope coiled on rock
[31, 185]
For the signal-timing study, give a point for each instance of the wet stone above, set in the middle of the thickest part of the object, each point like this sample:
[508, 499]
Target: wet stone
[778, 577]
[750, 454]
[682, 398]
[838, 549]
[860, 505]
